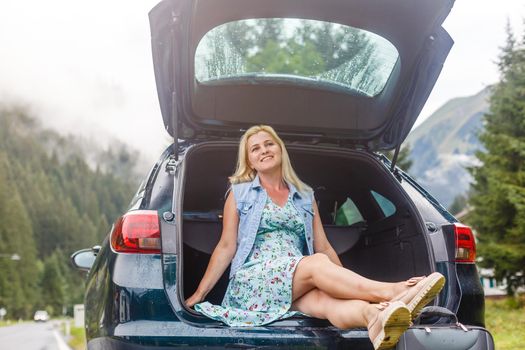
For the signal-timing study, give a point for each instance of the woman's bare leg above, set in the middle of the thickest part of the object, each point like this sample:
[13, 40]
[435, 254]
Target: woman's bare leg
[341, 313]
[317, 271]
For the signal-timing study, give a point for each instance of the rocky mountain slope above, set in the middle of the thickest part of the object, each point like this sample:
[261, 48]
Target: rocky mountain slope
[445, 143]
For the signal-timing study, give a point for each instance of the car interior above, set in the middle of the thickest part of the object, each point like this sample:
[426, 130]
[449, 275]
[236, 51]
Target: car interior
[367, 217]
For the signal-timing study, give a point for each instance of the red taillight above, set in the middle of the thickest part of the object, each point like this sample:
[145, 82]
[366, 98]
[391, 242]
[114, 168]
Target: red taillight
[137, 232]
[465, 244]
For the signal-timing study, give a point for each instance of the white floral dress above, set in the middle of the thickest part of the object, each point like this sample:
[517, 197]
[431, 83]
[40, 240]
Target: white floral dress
[261, 291]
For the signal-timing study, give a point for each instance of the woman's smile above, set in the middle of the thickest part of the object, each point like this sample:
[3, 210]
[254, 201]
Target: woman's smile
[263, 152]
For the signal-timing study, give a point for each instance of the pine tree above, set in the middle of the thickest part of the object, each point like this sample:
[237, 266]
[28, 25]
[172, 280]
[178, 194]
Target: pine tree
[54, 284]
[498, 191]
[18, 282]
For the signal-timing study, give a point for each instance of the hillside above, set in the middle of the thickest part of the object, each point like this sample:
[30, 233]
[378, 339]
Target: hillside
[55, 198]
[444, 144]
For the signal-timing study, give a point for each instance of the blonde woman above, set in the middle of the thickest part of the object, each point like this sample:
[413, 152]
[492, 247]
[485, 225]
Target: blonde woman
[282, 263]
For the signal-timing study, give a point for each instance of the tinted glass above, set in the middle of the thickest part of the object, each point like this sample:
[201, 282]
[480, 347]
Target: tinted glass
[386, 205]
[322, 54]
[348, 214]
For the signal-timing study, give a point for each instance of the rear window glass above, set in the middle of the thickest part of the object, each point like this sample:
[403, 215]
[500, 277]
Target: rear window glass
[316, 53]
[386, 205]
[348, 214]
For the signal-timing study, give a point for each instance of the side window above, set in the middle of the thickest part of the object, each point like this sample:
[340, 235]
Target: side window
[386, 206]
[348, 214]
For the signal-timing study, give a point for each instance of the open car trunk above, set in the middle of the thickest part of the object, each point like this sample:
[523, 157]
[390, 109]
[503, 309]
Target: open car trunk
[369, 220]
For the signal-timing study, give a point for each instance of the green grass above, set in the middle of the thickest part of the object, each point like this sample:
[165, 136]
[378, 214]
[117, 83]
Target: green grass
[78, 338]
[11, 322]
[505, 319]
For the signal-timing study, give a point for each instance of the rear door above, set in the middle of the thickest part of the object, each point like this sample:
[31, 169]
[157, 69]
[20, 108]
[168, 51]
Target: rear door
[214, 79]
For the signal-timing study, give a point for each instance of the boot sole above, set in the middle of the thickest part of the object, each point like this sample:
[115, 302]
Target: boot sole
[426, 294]
[394, 326]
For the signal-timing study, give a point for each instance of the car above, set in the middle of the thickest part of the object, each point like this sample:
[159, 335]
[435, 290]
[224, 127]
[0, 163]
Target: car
[341, 81]
[41, 316]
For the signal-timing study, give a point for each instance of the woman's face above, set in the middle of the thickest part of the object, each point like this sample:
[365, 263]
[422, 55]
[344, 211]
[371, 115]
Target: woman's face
[264, 154]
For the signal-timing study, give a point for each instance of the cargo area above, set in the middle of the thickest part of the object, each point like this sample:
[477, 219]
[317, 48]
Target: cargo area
[369, 220]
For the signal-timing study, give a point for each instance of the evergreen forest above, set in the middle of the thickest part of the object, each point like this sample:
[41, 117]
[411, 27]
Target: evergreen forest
[55, 198]
[497, 195]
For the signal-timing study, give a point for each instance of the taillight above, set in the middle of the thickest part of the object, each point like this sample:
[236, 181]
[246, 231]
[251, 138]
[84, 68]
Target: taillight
[465, 244]
[137, 232]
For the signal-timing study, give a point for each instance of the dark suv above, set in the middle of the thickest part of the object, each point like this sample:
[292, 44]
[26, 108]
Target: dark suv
[340, 80]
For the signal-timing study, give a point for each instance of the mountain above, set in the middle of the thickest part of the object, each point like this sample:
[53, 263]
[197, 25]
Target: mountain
[444, 145]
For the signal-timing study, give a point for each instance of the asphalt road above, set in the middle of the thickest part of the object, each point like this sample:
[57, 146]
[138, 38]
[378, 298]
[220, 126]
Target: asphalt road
[32, 336]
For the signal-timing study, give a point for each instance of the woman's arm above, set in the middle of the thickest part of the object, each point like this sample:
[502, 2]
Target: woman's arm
[321, 244]
[222, 254]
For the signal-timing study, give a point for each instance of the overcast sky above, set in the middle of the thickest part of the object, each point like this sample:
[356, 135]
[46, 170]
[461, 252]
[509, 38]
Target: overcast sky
[86, 66]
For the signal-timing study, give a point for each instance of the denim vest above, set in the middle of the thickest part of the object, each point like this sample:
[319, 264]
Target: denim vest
[251, 198]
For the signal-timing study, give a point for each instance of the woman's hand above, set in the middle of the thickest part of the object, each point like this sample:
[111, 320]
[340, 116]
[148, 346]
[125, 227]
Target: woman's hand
[194, 299]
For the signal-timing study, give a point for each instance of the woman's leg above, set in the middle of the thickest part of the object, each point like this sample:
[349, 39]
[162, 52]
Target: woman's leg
[341, 313]
[317, 271]
[385, 323]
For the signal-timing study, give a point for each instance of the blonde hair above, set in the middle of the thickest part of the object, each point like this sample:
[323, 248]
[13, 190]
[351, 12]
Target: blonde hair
[244, 173]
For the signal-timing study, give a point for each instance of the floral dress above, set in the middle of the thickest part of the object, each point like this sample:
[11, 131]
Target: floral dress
[261, 290]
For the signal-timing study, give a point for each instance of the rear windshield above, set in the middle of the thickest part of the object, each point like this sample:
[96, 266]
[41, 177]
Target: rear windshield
[299, 51]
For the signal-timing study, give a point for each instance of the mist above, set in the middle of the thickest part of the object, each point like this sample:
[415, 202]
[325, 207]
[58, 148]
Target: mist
[86, 67]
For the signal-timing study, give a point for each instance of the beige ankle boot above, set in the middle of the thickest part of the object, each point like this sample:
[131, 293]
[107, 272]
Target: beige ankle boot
[389, 324]
[421, 293]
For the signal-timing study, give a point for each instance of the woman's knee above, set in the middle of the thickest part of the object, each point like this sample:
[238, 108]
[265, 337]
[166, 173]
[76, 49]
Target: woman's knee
[318, 259]
[314, 263]
[306, 271]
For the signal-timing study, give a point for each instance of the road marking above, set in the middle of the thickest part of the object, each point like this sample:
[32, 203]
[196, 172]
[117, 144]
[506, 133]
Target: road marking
[61, 343]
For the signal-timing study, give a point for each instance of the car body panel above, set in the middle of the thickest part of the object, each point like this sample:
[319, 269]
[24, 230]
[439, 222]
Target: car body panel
[191, 109]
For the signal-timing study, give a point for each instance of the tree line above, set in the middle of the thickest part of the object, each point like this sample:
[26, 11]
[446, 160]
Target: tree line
[497, 195]
[52, 203]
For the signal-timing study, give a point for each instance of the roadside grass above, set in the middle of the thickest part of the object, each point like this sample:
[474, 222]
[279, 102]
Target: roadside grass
[505, 319]
[78, 338]
[74, 336]
[11, 322]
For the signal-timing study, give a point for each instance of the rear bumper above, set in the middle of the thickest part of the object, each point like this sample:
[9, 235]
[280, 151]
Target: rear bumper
[158, 335]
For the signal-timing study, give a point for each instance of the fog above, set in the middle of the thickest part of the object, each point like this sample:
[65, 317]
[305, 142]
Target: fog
[85, 67]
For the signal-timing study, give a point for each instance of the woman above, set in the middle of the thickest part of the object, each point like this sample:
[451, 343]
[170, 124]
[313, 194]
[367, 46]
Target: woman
[282, 263]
